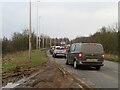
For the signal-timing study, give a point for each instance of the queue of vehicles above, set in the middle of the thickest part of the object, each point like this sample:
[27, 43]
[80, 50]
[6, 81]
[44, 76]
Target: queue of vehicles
[81, 54]
[58, 51]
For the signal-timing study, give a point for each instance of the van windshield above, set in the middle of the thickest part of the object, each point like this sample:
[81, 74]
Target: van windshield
[92, 48]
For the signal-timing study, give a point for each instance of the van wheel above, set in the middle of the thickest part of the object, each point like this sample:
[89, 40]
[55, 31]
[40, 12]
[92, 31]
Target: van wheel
[54, 55]
[75, 65]
[67, 62]
[98, 68]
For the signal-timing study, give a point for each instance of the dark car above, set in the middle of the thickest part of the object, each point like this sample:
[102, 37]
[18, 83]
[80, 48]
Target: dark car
[86, 54]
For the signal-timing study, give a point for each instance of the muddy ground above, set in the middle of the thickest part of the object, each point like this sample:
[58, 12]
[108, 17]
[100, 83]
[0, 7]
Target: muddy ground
[17, 74]
[49, 75]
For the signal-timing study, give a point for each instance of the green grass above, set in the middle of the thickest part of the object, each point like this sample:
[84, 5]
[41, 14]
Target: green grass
[20, 59]
[8, 66]
[38, 58]
[111, 57]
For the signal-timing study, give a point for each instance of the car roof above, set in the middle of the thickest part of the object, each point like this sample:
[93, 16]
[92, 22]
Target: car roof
[57, 46]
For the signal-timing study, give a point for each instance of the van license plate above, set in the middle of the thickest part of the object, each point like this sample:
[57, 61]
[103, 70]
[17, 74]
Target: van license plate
[91, 59]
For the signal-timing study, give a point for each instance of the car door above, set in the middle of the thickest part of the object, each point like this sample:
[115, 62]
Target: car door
[71, 54]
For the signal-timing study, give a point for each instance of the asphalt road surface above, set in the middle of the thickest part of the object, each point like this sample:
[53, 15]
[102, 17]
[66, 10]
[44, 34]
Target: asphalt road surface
[106, 77]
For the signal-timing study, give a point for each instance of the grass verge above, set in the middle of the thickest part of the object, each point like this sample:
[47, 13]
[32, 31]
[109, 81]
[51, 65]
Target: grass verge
[20, 59]
[111, 57]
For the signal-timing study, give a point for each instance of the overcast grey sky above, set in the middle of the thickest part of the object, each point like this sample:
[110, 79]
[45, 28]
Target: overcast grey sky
[59, 19]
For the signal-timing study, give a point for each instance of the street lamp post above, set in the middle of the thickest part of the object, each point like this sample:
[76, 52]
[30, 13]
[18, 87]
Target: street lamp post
[30, 31]
[43, 41]
[39, 41]
[46, 41]
[50, 41]
[37, 28]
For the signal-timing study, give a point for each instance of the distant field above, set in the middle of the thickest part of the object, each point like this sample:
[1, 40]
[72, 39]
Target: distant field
[20, 59]
[111, 57]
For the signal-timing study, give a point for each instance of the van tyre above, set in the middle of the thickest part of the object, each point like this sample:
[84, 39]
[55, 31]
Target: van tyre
[75, 65]
[54, 55]
[98, 68]
[67, 62]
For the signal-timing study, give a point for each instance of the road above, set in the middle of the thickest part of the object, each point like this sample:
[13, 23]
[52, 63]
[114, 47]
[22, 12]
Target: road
[107, 77]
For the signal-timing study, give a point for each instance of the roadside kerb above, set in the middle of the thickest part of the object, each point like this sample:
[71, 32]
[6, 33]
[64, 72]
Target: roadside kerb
[81, 83]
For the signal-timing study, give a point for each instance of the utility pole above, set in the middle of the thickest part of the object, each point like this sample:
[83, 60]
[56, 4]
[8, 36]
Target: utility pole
[65, 41]
[58, 41]
[43, 37]
[46, 41]
[50, 41]
[30, 31]
[39, 41]
[53, 41]
[43, 41]
[37, 29]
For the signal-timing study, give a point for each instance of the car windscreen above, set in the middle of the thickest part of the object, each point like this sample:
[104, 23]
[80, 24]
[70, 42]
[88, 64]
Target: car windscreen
[58, 48]
[92, 48]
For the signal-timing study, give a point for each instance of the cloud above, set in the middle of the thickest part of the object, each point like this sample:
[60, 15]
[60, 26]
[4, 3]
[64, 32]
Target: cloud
[77, 22]
[61, 19]
[1, 20]
[103, 13]
[60, 0]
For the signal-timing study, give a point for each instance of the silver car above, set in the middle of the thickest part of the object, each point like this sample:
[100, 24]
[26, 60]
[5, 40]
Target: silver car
[59, 51]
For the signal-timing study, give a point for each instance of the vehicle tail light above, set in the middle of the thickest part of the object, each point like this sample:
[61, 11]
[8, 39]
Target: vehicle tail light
[103, 56]
[65, 50]
[80, 55]
[53, 49]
